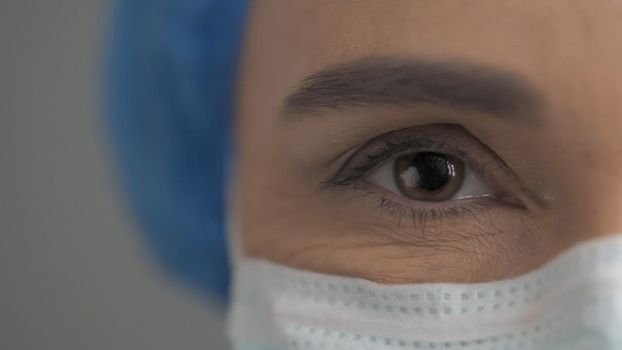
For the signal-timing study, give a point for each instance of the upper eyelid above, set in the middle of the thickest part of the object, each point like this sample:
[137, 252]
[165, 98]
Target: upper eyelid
[380, 158]
[430, 141]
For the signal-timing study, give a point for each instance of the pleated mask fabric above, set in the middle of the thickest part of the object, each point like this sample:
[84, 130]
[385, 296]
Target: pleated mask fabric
[572, 303]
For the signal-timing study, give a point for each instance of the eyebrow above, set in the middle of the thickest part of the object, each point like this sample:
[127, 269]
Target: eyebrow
[382, 81]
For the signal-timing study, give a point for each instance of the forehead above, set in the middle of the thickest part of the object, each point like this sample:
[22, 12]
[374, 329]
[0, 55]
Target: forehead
[318, 28]
[541, 39]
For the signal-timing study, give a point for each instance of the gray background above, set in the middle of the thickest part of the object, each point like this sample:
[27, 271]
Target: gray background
[73, 273]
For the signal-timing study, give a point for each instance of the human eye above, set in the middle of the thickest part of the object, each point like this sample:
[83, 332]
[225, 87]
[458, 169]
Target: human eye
[439, 169]
[429, 176]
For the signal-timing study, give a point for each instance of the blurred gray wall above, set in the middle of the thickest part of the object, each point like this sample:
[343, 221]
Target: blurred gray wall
[73, 274]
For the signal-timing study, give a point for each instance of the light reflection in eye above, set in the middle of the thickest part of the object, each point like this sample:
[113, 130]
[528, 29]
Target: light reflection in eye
[429, 176]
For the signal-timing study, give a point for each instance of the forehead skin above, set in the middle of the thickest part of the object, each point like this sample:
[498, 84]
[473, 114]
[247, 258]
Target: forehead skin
[570, 50]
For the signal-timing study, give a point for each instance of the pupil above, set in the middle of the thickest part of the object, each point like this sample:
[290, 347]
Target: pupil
[432, 171]
[428, 176]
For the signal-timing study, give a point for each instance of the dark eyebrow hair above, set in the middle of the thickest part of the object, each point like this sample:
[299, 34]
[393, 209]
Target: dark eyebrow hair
[378, 81]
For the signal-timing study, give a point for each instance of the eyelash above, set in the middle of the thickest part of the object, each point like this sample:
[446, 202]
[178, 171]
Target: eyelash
[373, 160]
[352, 177]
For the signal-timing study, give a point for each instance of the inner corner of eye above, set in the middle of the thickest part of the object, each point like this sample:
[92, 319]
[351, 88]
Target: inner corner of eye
[429, 176]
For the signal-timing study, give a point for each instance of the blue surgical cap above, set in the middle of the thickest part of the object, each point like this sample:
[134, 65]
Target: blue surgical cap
[169, 91]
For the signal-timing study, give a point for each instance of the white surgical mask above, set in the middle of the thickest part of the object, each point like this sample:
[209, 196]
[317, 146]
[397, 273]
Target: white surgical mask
[572, 303]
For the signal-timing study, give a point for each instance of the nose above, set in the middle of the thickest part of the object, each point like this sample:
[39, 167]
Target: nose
[590, 198]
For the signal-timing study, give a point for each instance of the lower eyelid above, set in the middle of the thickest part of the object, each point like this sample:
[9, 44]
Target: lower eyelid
[397, 204]
[419, 216]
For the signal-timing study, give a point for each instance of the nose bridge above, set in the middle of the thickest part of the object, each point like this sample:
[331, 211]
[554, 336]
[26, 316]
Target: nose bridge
[593, 181]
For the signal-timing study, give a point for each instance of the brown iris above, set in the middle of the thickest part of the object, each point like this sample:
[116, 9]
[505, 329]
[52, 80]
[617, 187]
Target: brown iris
[428, 176]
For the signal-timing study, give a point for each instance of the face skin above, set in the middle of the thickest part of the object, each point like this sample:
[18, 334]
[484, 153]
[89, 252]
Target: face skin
[526, 94]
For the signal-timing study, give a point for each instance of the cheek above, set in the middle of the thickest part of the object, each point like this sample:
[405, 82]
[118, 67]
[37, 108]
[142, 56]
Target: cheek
[345, 236]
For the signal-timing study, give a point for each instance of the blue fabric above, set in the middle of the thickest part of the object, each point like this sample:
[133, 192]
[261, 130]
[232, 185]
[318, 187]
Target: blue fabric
[169, 88]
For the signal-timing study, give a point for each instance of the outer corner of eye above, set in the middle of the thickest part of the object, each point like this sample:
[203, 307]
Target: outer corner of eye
[429, 176]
